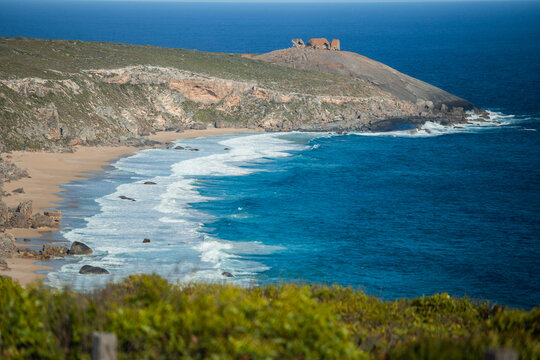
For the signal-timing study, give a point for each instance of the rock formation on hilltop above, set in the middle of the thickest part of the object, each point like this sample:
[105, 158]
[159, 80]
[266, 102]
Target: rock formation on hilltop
[56, 93]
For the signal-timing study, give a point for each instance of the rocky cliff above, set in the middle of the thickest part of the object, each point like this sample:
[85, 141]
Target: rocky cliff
[56, 93]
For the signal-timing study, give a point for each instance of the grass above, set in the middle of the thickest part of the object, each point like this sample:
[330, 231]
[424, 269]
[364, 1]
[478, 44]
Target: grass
[154, 319]
[56, 59]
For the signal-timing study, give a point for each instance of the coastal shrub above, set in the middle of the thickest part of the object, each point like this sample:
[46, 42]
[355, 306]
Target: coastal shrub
[154, 319]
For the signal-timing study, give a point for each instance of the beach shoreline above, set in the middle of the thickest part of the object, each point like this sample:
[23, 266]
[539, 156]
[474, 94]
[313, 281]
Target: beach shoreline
[48, 171]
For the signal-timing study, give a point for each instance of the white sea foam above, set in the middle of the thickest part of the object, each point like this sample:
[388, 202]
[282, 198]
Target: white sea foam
[474, 123]
[178, 250]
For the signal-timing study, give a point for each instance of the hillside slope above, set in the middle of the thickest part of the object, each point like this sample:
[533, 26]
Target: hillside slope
[59, 93]
[383, 77]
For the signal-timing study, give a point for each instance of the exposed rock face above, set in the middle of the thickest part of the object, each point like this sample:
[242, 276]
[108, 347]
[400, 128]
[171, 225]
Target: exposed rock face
[94, 270]
[123, 104]
[298, 43]
[319, 44]
[335, 45]
[79, 248]
[25, 208]
[396, 84]
[19, 220]
[42, 221]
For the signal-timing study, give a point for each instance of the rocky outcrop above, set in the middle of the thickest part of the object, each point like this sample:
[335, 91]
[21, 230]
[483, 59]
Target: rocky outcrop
[22, 217]
[52, 251]
[123, 104]
[397, 85]
[7, 246]
[93, 270]
[79, 248]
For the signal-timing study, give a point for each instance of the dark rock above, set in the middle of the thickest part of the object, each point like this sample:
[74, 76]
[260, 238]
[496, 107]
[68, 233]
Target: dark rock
[19, 191]
[25, 207]
[126, 198]
[19, 220]
[193, 149]
[26, 240]
[219, 124]
[78, 248]
[227, 149]
[146, 241]
[227, 274]
[41, 221]
[180, 130]
[149, 183]
[179, 148]
[95, 270]
[50, 250]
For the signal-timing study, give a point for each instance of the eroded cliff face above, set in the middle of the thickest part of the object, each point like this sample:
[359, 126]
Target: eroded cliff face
[111, 106]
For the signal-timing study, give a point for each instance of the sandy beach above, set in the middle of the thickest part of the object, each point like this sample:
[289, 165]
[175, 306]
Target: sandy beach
[48, 171]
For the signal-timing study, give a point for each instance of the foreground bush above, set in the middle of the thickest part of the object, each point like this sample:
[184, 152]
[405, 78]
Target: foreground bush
[156, 320]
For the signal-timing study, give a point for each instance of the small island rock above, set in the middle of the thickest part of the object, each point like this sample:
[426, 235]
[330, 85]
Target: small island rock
[227, 274]
[95, 270]
[146, 240]
[78, 248]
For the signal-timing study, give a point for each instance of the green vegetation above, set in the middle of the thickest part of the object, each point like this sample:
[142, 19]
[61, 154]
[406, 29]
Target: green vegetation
[156, 320]
[56, 59]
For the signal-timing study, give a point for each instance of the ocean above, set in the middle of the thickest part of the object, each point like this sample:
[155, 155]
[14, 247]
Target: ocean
[396, 214]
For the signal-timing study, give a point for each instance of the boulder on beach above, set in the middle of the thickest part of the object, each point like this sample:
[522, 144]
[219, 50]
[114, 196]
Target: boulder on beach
[25, 207]
[56, 215]
[94, 270]
[18, 191]
[19, 220]
[79, 248]
[40, 221]
[54, 250]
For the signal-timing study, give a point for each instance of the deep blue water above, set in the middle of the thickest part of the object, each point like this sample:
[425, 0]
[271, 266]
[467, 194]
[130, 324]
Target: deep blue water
[401, 215]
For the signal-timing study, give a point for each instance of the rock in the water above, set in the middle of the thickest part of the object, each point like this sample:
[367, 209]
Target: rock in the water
[54, 250]
[146, 241]
[78, 248]
[95, 270]
[227, 149]
[19, 191]
[41, 221]
[126, 198]
[25, 207]
[179, 148]
[193, 149]
[19, 220]
[227, 274]
[149, 183]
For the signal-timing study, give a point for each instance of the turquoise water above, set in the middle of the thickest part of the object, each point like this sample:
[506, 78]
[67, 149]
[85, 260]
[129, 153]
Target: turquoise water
[396, 214]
